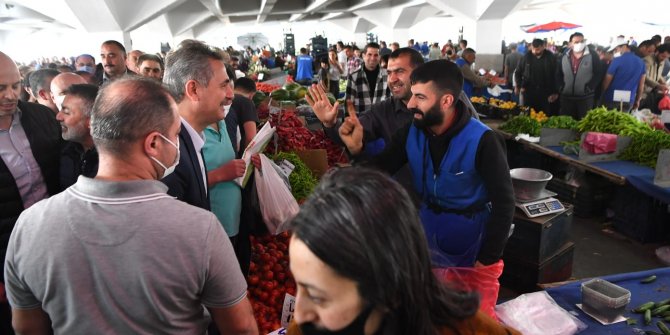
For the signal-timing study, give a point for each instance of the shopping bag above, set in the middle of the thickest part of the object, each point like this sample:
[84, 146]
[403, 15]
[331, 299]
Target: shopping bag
[277, 203]
[483, 280]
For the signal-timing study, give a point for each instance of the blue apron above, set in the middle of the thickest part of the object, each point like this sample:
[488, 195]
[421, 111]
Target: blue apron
[455, 203]
[468, 88]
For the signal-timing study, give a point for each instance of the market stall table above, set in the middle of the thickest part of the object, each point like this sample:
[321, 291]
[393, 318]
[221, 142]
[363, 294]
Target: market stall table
[567, 296]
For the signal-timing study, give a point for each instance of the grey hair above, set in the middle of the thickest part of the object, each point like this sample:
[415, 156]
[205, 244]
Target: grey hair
[189, 62]
[41, 79]
[128, 109]
[87, 93]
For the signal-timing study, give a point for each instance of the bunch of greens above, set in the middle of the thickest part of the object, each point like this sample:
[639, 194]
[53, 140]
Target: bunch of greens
[521, 124]
[560, 122]
[301, 179]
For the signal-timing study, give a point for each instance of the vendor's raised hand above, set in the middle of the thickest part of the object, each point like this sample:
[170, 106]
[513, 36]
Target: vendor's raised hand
[319, 102]
[351, 131]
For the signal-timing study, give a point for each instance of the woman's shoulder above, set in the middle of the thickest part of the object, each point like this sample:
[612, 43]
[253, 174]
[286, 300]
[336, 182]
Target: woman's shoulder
[480, 323]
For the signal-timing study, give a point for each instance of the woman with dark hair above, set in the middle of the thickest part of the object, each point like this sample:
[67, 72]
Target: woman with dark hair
[360, 260]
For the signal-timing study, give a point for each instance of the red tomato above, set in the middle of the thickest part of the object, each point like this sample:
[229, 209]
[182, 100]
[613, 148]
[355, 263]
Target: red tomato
[268, 275]
[253, 280]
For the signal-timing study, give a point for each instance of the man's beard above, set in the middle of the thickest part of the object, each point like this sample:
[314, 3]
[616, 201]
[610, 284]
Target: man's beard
[432, 117]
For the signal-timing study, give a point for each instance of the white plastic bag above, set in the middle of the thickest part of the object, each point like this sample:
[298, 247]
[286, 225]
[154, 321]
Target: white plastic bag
[538, 314]
[276, 201]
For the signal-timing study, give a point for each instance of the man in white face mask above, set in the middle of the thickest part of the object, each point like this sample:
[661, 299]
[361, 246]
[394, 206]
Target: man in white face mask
[580, 71]
[625, 73]
[122, 235]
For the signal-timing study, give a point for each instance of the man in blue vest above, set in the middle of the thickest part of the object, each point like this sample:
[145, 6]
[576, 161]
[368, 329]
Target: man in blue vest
[471, 80]
[304, 65]
[459, 168]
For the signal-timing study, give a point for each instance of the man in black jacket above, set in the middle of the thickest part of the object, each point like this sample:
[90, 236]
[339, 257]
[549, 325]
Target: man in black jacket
[29, 152]
[536, 77]
[578, 74]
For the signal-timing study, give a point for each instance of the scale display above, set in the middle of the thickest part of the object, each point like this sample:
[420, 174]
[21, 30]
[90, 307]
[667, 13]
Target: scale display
[541, 207]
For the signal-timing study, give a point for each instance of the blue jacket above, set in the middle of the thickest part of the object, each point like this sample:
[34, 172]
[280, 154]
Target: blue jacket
[468, 88]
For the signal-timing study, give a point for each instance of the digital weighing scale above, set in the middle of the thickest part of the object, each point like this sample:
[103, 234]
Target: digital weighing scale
[543, 205]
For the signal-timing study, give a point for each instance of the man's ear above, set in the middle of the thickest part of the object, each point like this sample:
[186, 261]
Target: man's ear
[44, 95]
[192, 90]
[448, 100]
[151, 144]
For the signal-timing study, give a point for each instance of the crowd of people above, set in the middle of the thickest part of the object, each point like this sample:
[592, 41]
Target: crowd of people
[120, 213]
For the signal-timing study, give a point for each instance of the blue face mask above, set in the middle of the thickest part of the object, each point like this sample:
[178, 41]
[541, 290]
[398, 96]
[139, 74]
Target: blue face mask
[87, 68]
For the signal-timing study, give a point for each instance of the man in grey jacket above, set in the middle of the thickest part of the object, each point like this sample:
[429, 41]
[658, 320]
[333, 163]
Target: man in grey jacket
[578, 74]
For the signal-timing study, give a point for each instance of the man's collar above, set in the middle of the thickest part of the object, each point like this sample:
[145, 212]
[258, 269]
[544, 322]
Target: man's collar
[198, 139]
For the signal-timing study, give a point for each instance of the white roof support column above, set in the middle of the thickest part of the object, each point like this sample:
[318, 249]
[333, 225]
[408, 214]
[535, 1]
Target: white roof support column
[489, 36]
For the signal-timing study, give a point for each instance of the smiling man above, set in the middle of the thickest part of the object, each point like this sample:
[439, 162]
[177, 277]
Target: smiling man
[197, 78]
[78, 156]
[458, 166]
[368, 84]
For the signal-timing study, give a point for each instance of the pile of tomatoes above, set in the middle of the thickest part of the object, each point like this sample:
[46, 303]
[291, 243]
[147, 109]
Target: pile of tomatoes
[269, 279]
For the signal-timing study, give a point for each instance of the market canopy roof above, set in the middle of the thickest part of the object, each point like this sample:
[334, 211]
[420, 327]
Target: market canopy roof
[551, 26]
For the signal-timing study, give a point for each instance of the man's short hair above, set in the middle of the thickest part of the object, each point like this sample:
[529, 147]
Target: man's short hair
[663, 48]
[445, 76]
[646, 44]
[396, 44]
[538, 43]
[84, 55]
[513, 46]
[87, 93]
[150, 57]
[119, 120]
[190, 61]
[464, 42]
[657, 38]
[348, 47]
[234, 58]
[371, 45]
[469, 51]
[415, 58]
[41, 80]
[245, 84]
[577, 34]
[303, 51]
[119, 45]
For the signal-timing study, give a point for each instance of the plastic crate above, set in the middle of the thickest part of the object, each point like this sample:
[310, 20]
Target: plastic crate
[604, 299]
[640, 216]
[590, 198]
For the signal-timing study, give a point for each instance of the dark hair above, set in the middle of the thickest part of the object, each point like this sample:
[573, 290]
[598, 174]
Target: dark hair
[385, 58]
[64, 68]
[465, 42]
[415, 58]
[324, 60]
[371, 45]
[87, 93]
[646, 43]
[363, 225]
[119, 45]
[348, 47]
[577, 34]
[189, 62]
[127, 110]
[303, 50]
[150, 57]
[657, 38]
[538, 43]
[41, 80]
[468, 51]
[230, 72]
[445, 76]
[665, 47]
[245, 84]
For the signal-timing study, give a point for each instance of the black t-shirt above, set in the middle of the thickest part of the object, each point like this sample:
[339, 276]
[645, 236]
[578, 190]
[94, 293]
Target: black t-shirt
[242, 110]
[371, 76]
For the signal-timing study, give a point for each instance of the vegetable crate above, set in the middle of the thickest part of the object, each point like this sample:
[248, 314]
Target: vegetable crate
[590, 198]
[640, 216]
[524, 276]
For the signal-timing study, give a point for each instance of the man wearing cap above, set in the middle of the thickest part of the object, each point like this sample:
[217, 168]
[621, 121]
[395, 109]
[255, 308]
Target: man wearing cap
[625, 73]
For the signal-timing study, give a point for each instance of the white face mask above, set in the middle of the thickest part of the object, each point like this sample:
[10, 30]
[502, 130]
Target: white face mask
[617, 54]
[578, 47]
[168, 170]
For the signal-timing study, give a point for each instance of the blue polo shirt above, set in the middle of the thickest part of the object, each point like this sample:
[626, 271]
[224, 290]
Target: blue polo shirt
[626, 71]
[225, 197]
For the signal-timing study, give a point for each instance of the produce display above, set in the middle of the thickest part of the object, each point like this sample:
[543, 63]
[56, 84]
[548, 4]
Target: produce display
[560, 122]
[302, 180]
[538, 116]
[292, 135]
[612, 122]
[522, 124]
[645, 147]
[267, 88]
[269, 279]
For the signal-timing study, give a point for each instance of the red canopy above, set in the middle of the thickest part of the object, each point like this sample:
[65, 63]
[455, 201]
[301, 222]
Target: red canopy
[551, 26]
